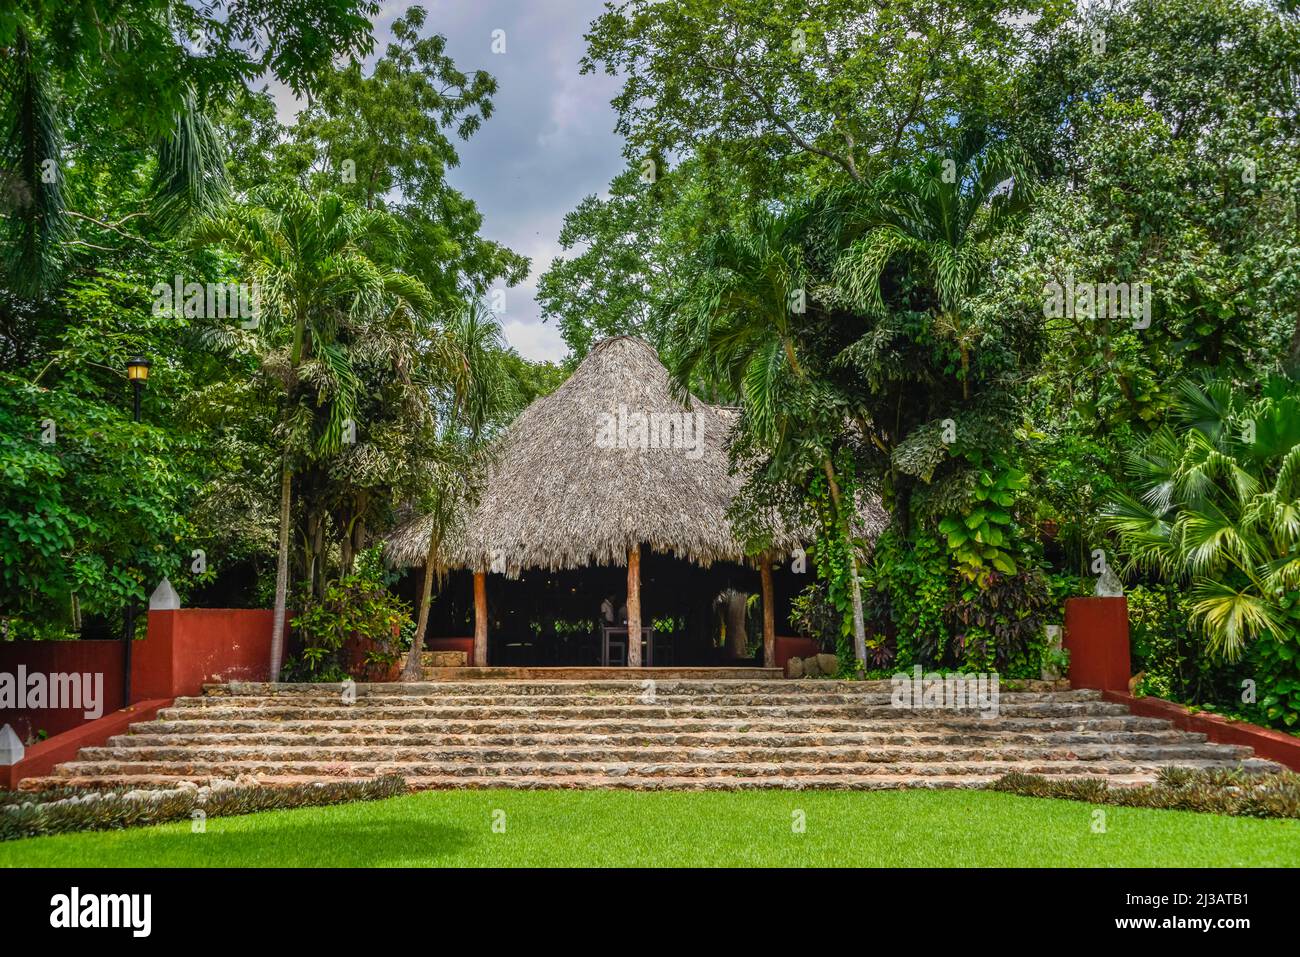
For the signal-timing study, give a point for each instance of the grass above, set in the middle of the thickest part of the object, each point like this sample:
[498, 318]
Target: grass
[563, 828]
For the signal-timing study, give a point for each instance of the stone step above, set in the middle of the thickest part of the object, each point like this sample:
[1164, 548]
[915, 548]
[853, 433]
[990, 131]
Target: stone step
[725, 732]
[1120, 723]
[866, 712]
[262, 691]
[434, 693]
[834, 782]
[421, 737]
[589, 673]
[761, 753]
[609, 699]
[327, 770]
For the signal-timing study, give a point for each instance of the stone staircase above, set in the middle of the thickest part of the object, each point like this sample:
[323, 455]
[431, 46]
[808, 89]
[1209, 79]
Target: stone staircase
[678, 734]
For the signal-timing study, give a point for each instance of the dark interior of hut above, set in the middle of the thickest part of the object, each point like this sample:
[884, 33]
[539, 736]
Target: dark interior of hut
[698, 616]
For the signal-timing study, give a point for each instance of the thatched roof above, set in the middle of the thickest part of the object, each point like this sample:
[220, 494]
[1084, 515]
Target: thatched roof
[571, 484]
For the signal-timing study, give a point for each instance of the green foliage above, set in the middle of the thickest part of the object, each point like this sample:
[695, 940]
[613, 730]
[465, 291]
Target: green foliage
[815, 616]
[1276, 663]
[831, 555]
[791, 93]
[385, 141]
[90, 519]
[1000, 623]
[1232, 792]
[1219, 505]
[64, 811]
[356, 612]
[936, 615]
[131, 77]
[912, 582]
[983, 537]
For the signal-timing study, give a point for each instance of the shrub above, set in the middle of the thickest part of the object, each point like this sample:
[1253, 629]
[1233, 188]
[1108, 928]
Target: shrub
[939, 616]
[358, 614]
[64, 810]
[1229, 791]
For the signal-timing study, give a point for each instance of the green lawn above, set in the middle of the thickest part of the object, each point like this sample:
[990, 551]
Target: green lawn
[891, 828]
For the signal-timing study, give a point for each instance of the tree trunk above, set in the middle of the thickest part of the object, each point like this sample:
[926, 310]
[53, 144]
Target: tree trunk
[281, 572]
[634, 607]
[480, 619]
[855, 588]
[859, 628]
[769, 613]
[414, 666]
[737, 638]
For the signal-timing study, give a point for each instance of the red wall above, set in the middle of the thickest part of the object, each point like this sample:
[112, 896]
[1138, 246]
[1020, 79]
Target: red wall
[69, 657]
[1096, 635]
[182, 651]
[1274, 745]
[195, 646]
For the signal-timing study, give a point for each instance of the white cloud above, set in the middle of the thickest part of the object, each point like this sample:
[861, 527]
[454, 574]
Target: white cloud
[536, 341]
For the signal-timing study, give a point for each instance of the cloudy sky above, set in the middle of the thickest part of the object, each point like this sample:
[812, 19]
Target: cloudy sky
[549, 143]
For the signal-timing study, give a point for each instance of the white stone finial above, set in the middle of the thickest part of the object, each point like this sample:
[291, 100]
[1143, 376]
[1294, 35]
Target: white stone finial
[11, 746]
[164, 597]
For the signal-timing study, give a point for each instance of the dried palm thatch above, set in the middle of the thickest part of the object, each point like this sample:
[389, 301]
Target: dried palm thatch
[558, 496]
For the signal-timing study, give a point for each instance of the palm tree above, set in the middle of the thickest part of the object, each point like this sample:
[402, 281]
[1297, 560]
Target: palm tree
[937, 215]
[473, 384]
[314, 262]
[189, 176]
[735, 324]
[1219, 505]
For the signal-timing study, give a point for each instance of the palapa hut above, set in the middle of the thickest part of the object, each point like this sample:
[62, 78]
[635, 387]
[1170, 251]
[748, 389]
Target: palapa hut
[610, 472]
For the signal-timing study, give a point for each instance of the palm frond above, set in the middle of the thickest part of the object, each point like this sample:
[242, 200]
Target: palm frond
[191, 177]
[31, 173]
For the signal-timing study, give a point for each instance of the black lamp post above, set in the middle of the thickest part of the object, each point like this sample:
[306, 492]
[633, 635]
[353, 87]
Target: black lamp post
[137, 370]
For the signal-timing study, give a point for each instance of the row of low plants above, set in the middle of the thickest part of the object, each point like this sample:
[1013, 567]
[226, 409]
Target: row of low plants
[65, 810]
[1216, 791]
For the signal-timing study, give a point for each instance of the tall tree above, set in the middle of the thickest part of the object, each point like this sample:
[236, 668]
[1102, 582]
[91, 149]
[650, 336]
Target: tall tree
[802, 92]
[475, 385]
[153, 72]
[386, 139]
[735, 323]
[320, 267]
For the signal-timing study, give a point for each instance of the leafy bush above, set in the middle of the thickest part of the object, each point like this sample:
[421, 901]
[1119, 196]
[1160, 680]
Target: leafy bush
[911, 585]
[936, 614]
[64, 810]
[982, 538]
[1219, 791]
[1218, 507]
[357, 615]
[813, 614]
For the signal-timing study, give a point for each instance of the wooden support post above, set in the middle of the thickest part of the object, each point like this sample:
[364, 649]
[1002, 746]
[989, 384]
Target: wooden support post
[769, 612]
[634, 607]
[480, 620]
